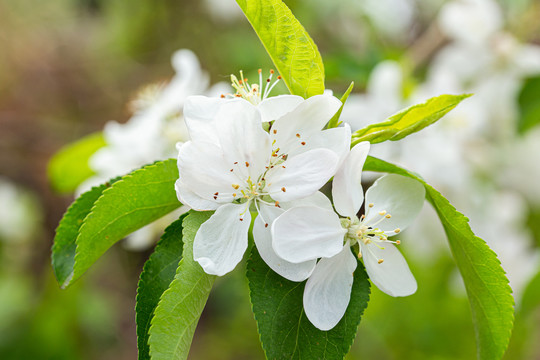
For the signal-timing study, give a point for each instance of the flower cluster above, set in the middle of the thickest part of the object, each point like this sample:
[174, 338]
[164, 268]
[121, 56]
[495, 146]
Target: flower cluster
[264, 158]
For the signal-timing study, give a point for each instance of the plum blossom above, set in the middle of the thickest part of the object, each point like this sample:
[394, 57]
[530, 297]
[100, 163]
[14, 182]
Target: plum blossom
[234, 166]
[304, 233]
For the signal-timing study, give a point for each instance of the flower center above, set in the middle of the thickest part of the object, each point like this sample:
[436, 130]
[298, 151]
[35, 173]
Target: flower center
[368, 231]
[254, 93]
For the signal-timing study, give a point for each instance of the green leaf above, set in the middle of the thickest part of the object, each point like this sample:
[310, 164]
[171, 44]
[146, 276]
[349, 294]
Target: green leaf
[489, 294]
[63, 250]
[529, 105]
[68, 168]
[181, 305]
[136, 200]
[157, 275]
[408, 121]
[292, 50]
[286, 332]
[334, 121]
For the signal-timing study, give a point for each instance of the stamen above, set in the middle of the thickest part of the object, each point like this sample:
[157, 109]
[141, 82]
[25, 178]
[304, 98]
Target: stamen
[371, 205]
[235, 186]
[380, 261]
[388, 216]
[283, 189]
[397, 231]
[297, 135]
[382, 213]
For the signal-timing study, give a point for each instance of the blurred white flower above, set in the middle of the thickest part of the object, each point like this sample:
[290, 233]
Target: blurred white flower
[305, 233]
[232, 164]
[19, 213]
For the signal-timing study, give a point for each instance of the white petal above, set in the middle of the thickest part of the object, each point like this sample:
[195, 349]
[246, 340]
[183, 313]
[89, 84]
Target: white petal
[263, 240]
[276, 106]
[328, 289]
[221, 241]
[317, 199]
[393, 275]
[347, 190]
[245, 144]
[199, 111]
[203, 169]
[194, 201]
[337, 139]
[305, 120]
[307, 232]
[400, 196]
[301, 175]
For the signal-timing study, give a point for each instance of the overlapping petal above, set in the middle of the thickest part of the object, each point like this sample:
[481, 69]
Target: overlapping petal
[308, 118]
[274, 107]
[301, 175]
[307, 232]
[221, 241]
[392, 275]
[328, 289]
[347, 190]
[263, 240]
[399, 196]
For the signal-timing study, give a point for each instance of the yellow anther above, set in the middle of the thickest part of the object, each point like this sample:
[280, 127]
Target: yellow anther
[371, 205]
[397, 231]
[388, 216]
[380, 261]
[398, 242]
[235, 186]
[382, 212]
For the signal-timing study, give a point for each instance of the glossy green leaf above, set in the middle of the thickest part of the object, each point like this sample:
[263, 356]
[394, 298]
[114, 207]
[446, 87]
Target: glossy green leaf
[489, 294]
[292, 50]
[408, 121]
[157, 275]
[68, 168]
[181, 305]
[529, 105]
[136, 200]
[334, 121]
[285, 331]
[63, 250]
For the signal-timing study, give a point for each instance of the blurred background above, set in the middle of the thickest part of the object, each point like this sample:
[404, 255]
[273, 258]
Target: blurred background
[70, 67]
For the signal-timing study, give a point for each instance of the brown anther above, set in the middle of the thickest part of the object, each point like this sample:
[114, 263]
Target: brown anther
[241, 219]
[297, 135]
[267, 80]
[234, 195]
[279, 77]
[236, 162]
[271, 71]
[245, 80]
[215, 197]
[222, 96]
[266, 225]
[283, 189]
[283, 166]
[276, 204]
[303, 143]
[238, 95]
[235, 186]
[274, 131]
[232, 170]
[247, 164]
[260, 71]
[216, 193]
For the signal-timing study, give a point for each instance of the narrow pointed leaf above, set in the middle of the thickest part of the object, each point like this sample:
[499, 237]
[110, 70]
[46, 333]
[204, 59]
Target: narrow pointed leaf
[489, 294]
[63, 250]
[334, 121]
[181, 305]
[68, 168]
[136, 200]
[157, 275]
[408, 121]
[285, 331]
[292, 50]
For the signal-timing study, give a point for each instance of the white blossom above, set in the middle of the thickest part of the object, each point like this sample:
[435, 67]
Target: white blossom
[305, 233]
[232, 165]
